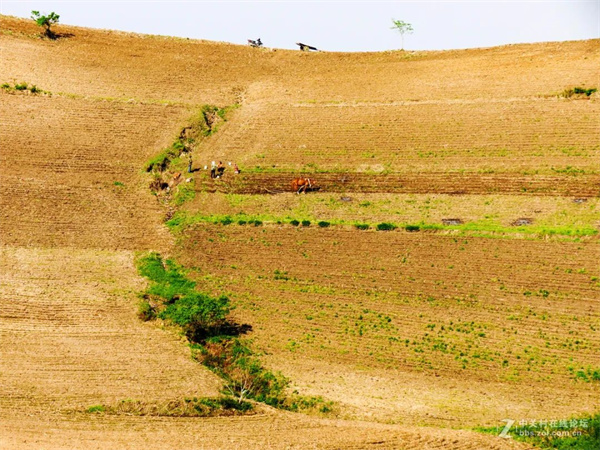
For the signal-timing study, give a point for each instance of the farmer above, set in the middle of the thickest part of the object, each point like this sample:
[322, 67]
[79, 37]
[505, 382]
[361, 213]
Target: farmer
[213, 170]
[220, 169]
[190, 162]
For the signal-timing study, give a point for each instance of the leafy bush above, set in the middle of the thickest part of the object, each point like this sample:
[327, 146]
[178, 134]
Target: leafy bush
[241, 222]
[198, 314]
[294, 222]
[306, 223]
[257, 223]
[362, 226]
[384, 226]
[412, 228]
[323, 224]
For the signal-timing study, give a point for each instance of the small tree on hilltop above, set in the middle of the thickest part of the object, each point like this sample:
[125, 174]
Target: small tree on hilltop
[403, 28]
[46, 21]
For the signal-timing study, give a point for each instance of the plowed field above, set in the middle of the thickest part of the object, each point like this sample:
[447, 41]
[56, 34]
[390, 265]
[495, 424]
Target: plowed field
[71, 172]
[389, 304]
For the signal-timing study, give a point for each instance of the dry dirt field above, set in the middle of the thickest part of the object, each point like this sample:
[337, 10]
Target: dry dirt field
[418, 337]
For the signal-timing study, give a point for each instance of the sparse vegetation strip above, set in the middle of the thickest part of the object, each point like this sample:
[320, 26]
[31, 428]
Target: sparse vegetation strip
[183, 219]
[186, 407]
[22, 87]
[215, 340]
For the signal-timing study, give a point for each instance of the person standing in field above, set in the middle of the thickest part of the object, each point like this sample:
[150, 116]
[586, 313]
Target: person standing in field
[220, 169]
[190, 162]
[213, 170]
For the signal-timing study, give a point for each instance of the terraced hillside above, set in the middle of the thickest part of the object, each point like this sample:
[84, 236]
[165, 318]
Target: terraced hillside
[484, 287]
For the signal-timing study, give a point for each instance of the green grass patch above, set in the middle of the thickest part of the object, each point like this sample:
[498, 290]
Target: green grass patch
[184, 193]
[96, 409]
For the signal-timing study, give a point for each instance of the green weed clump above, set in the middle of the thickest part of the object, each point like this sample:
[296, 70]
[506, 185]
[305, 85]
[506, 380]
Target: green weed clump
[96, 409]
[567, 93]
[306, 223]
[23, 86]
[362, 226]
[294, 222]
[323, 224]
[385, 226]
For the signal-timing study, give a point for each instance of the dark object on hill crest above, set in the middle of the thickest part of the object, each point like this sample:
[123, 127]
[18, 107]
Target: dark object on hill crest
[256, 43]
[306, 48]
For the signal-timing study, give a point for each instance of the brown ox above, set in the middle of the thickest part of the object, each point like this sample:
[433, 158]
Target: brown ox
[302, 184]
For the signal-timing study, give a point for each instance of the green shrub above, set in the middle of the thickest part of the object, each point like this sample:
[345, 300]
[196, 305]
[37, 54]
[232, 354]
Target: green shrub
[198, 314]
[412, 228]
[306, 223]
[21, 86]
[257, 223]
[362, 226]
[323, 224]
[384, 226]
[241, 222]
[294, 222]
[226, 220]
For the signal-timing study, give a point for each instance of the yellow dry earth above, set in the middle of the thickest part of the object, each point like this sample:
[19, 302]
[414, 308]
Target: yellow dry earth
[75, 208]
